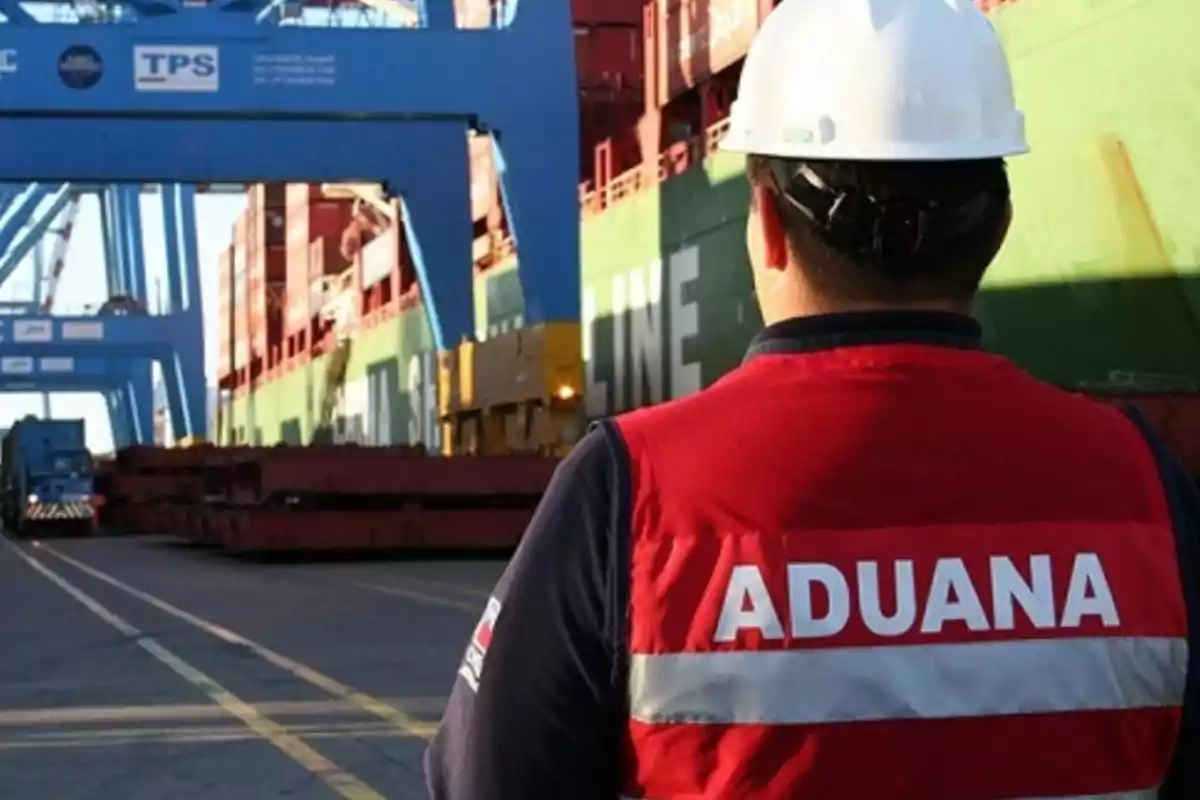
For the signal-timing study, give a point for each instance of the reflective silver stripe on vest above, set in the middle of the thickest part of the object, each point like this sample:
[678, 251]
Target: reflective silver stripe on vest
[1145, 794]
[797, 687]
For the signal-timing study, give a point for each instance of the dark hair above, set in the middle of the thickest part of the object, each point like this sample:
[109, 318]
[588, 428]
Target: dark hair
[888, 231]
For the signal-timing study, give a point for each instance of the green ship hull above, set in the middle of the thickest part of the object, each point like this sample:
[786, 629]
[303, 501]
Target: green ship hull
[1096, 288]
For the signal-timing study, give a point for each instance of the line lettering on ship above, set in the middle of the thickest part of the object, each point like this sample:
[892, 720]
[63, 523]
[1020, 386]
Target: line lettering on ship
[639, 372]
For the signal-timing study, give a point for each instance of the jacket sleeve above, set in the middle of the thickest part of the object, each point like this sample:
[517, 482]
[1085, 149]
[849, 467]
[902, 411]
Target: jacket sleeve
[1183, 778]
[534, 711]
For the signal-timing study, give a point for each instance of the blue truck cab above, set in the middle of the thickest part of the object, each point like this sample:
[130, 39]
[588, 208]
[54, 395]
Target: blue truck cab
[47, 477]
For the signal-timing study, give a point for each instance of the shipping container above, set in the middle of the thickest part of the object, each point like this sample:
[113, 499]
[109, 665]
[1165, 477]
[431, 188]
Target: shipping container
[264, 274]
[224, 313]
[325, 258]
[607, 12]
[275, 294]
[609, 56]
[489, 13]
[695, 39]
[311, 215]
[316, 277]
[325, 265]
[241, 315]
[387, 257]
[265, 227]
[297, 283]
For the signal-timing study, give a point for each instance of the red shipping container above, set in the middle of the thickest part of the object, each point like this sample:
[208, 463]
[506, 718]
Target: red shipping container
[694, 39]
[241, 351]
[276, 295]
[607, 12]
[264, 333]
[299, 197]
[325, 258]
[297, 283]
[257, 316]
[239, 298]
[611, 57]
[310, 216]
[265, 227]
[480, 13]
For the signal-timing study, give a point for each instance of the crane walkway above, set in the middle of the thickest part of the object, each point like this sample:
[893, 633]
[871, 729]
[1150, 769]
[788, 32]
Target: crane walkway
[146, 669]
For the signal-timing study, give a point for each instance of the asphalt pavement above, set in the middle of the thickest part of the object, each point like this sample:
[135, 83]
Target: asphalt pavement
[135, 669]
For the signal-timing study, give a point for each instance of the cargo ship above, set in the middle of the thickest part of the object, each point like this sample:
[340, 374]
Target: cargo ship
[1094, 291]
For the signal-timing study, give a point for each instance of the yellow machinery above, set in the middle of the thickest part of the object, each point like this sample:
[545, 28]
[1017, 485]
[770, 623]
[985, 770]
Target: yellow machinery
[519, 392]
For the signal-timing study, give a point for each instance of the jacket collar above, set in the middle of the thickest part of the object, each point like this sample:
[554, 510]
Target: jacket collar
[856, 329]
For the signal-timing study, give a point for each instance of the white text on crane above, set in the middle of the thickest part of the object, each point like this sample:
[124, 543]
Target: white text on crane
[169, 68]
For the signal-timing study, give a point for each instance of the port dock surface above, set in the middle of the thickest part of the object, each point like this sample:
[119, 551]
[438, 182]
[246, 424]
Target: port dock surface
[148, 669]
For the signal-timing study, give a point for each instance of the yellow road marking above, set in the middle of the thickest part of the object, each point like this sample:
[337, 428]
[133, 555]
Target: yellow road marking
[366, 702]
[164, 712]
[331, 774]
[470, 608]
[448, 585]
[189, 735]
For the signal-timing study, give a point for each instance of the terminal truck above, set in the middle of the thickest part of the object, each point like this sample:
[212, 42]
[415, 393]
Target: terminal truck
[47, 478]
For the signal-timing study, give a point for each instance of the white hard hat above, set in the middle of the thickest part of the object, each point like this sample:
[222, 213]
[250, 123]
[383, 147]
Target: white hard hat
[876, 80]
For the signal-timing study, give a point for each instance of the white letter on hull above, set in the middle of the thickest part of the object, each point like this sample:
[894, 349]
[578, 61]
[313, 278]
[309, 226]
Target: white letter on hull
[596, 395]
[1088, 573]
[801, 578]
[646, 333]
[683, 320]
[620, 367]
[952, 598]
[1010, 590]
[872, 608]
[746, 583]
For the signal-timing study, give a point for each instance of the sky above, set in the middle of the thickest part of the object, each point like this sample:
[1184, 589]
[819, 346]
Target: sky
[83, 284]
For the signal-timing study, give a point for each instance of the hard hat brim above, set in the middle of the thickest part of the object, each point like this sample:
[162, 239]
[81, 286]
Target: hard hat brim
[738, 142]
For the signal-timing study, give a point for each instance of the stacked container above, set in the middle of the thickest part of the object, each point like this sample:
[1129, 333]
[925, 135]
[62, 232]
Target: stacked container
[298, 311]
[487, 13]
[611, 64]
[266, 266]
[225, 311]
[689, 41]
[241, 306]
[386, 257]
[314, 225]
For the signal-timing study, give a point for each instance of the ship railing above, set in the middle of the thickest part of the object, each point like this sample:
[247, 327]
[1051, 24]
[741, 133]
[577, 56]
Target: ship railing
[673, 162]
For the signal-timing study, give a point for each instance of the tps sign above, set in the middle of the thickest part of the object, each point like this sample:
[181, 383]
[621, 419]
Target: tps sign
[166, 68]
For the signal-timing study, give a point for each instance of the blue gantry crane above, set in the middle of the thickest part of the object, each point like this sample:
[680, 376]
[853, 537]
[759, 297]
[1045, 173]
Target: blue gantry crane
[231, 91]
[31, 213]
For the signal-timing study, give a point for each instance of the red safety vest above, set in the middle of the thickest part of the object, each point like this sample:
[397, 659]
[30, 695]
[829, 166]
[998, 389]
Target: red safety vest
[897, 571]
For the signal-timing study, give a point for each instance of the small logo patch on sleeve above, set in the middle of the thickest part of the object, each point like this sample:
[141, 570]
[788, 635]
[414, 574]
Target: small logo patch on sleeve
[481, 640]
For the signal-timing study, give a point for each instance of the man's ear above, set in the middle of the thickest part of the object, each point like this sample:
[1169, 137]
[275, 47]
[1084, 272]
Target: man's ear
[770, 229]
